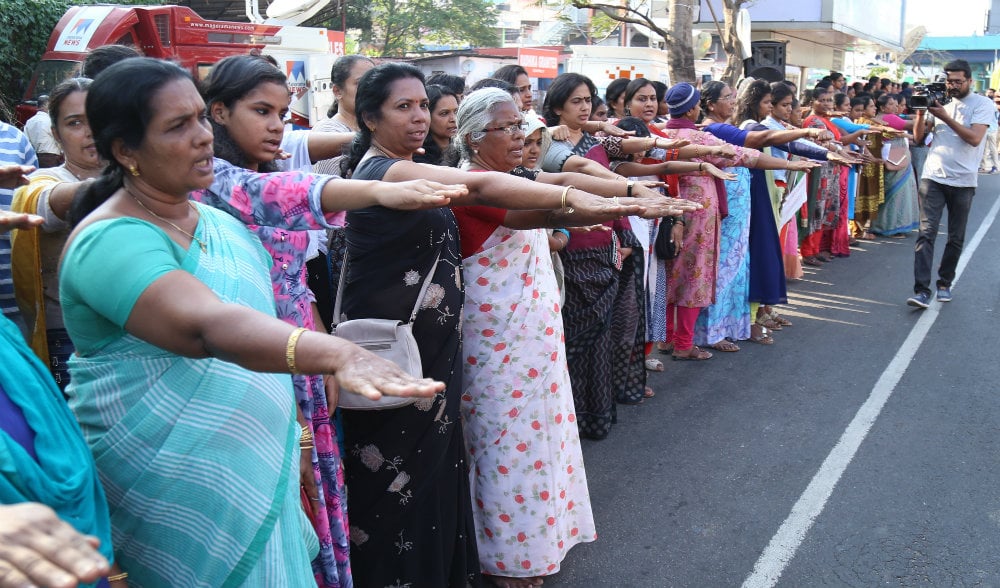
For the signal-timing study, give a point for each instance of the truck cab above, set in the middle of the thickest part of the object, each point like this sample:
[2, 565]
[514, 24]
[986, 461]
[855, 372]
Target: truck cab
[177, 33]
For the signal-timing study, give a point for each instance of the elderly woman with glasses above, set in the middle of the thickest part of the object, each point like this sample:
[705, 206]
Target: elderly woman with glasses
[406, 472]
[531, 502]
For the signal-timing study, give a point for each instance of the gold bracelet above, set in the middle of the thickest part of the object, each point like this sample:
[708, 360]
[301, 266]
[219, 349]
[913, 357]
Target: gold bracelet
[565, 192]
[290, 350]
[118, 577]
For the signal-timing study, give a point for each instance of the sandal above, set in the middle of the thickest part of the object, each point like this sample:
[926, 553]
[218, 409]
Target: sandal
[693, 354]
[762, 336]
[774, 316]
[768, 323]
[782, 321]
[654, 365]
[765, 320]
[725, 346]
[508, 582]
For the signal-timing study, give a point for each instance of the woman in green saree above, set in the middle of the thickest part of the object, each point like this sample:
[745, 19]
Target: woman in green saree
[180, 378]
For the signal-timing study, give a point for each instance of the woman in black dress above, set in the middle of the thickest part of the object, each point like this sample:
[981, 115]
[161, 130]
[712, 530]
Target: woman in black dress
[408, 487]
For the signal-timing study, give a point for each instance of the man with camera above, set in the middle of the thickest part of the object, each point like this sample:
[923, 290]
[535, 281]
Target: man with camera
[949, 179]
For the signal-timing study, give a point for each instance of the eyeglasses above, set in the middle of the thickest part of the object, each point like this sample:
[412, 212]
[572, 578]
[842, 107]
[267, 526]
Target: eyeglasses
[518, 127]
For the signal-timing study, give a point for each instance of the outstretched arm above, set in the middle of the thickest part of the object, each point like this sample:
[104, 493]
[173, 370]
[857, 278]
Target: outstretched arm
[179, 313]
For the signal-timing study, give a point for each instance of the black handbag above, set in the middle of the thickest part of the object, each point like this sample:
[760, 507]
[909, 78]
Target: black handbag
[664, 246]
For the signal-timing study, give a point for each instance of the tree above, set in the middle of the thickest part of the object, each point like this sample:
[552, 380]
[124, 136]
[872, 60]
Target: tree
[398, 26]
[596, 30]
[680, 55]
[731, 43]
[27, 26]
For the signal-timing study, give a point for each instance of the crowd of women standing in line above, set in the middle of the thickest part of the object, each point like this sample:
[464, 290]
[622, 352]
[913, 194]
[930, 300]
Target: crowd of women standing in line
[546, 301]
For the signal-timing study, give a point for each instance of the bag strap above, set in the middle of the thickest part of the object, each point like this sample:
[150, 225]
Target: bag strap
[420, 297]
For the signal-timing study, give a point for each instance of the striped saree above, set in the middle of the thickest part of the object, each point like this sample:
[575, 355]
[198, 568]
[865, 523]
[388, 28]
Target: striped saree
[199, 457]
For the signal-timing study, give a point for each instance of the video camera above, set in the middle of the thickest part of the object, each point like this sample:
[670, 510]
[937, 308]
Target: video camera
[926, 95]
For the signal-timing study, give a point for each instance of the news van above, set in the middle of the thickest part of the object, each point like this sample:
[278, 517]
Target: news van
[177, 33]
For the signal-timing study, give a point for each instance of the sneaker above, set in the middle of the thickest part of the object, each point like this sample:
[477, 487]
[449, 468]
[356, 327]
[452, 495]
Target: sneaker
[944, 294]
[919, 300]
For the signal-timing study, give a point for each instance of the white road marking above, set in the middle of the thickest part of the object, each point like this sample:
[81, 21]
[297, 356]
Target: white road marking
[810, 505]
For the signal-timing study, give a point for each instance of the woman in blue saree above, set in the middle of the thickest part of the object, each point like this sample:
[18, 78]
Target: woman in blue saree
[751, 268]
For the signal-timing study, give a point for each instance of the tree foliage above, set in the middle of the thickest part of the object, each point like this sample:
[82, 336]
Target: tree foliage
[598, 29]
[395, 26]
[27, 25]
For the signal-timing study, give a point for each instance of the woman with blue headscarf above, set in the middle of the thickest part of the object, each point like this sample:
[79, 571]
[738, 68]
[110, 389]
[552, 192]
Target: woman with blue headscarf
[43, 459]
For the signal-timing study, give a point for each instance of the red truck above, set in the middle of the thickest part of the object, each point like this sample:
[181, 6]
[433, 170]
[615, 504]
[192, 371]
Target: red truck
[178, 34]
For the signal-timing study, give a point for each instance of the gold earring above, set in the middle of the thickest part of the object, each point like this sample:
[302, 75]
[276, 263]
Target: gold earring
[132, 169]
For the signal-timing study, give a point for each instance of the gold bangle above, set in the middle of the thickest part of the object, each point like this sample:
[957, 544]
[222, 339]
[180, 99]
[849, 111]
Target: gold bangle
[118, 577]
[290, 350]
[565, 192]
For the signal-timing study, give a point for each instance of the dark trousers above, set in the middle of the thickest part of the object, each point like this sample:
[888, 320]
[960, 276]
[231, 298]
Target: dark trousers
[934, 198]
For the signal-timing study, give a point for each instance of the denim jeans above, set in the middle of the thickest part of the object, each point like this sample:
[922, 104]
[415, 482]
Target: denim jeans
[934, 198]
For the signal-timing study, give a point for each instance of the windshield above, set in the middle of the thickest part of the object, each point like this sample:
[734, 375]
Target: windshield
[47, 75]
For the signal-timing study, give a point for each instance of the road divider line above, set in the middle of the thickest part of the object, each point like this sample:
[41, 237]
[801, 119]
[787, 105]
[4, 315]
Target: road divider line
[786, 541]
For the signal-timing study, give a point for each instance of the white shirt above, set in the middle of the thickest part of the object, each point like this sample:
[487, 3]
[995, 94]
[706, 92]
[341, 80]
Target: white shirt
[39, 132]
[950, 160]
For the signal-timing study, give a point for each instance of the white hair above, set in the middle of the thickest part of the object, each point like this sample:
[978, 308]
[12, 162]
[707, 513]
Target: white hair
[475, 113]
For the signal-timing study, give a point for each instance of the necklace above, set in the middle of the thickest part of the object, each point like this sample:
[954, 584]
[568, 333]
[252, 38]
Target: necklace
[79, 176]
[204, 248]
[380, 151]
[73, 173]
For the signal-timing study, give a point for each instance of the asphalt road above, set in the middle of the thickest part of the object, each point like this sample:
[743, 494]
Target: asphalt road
[692, 486]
